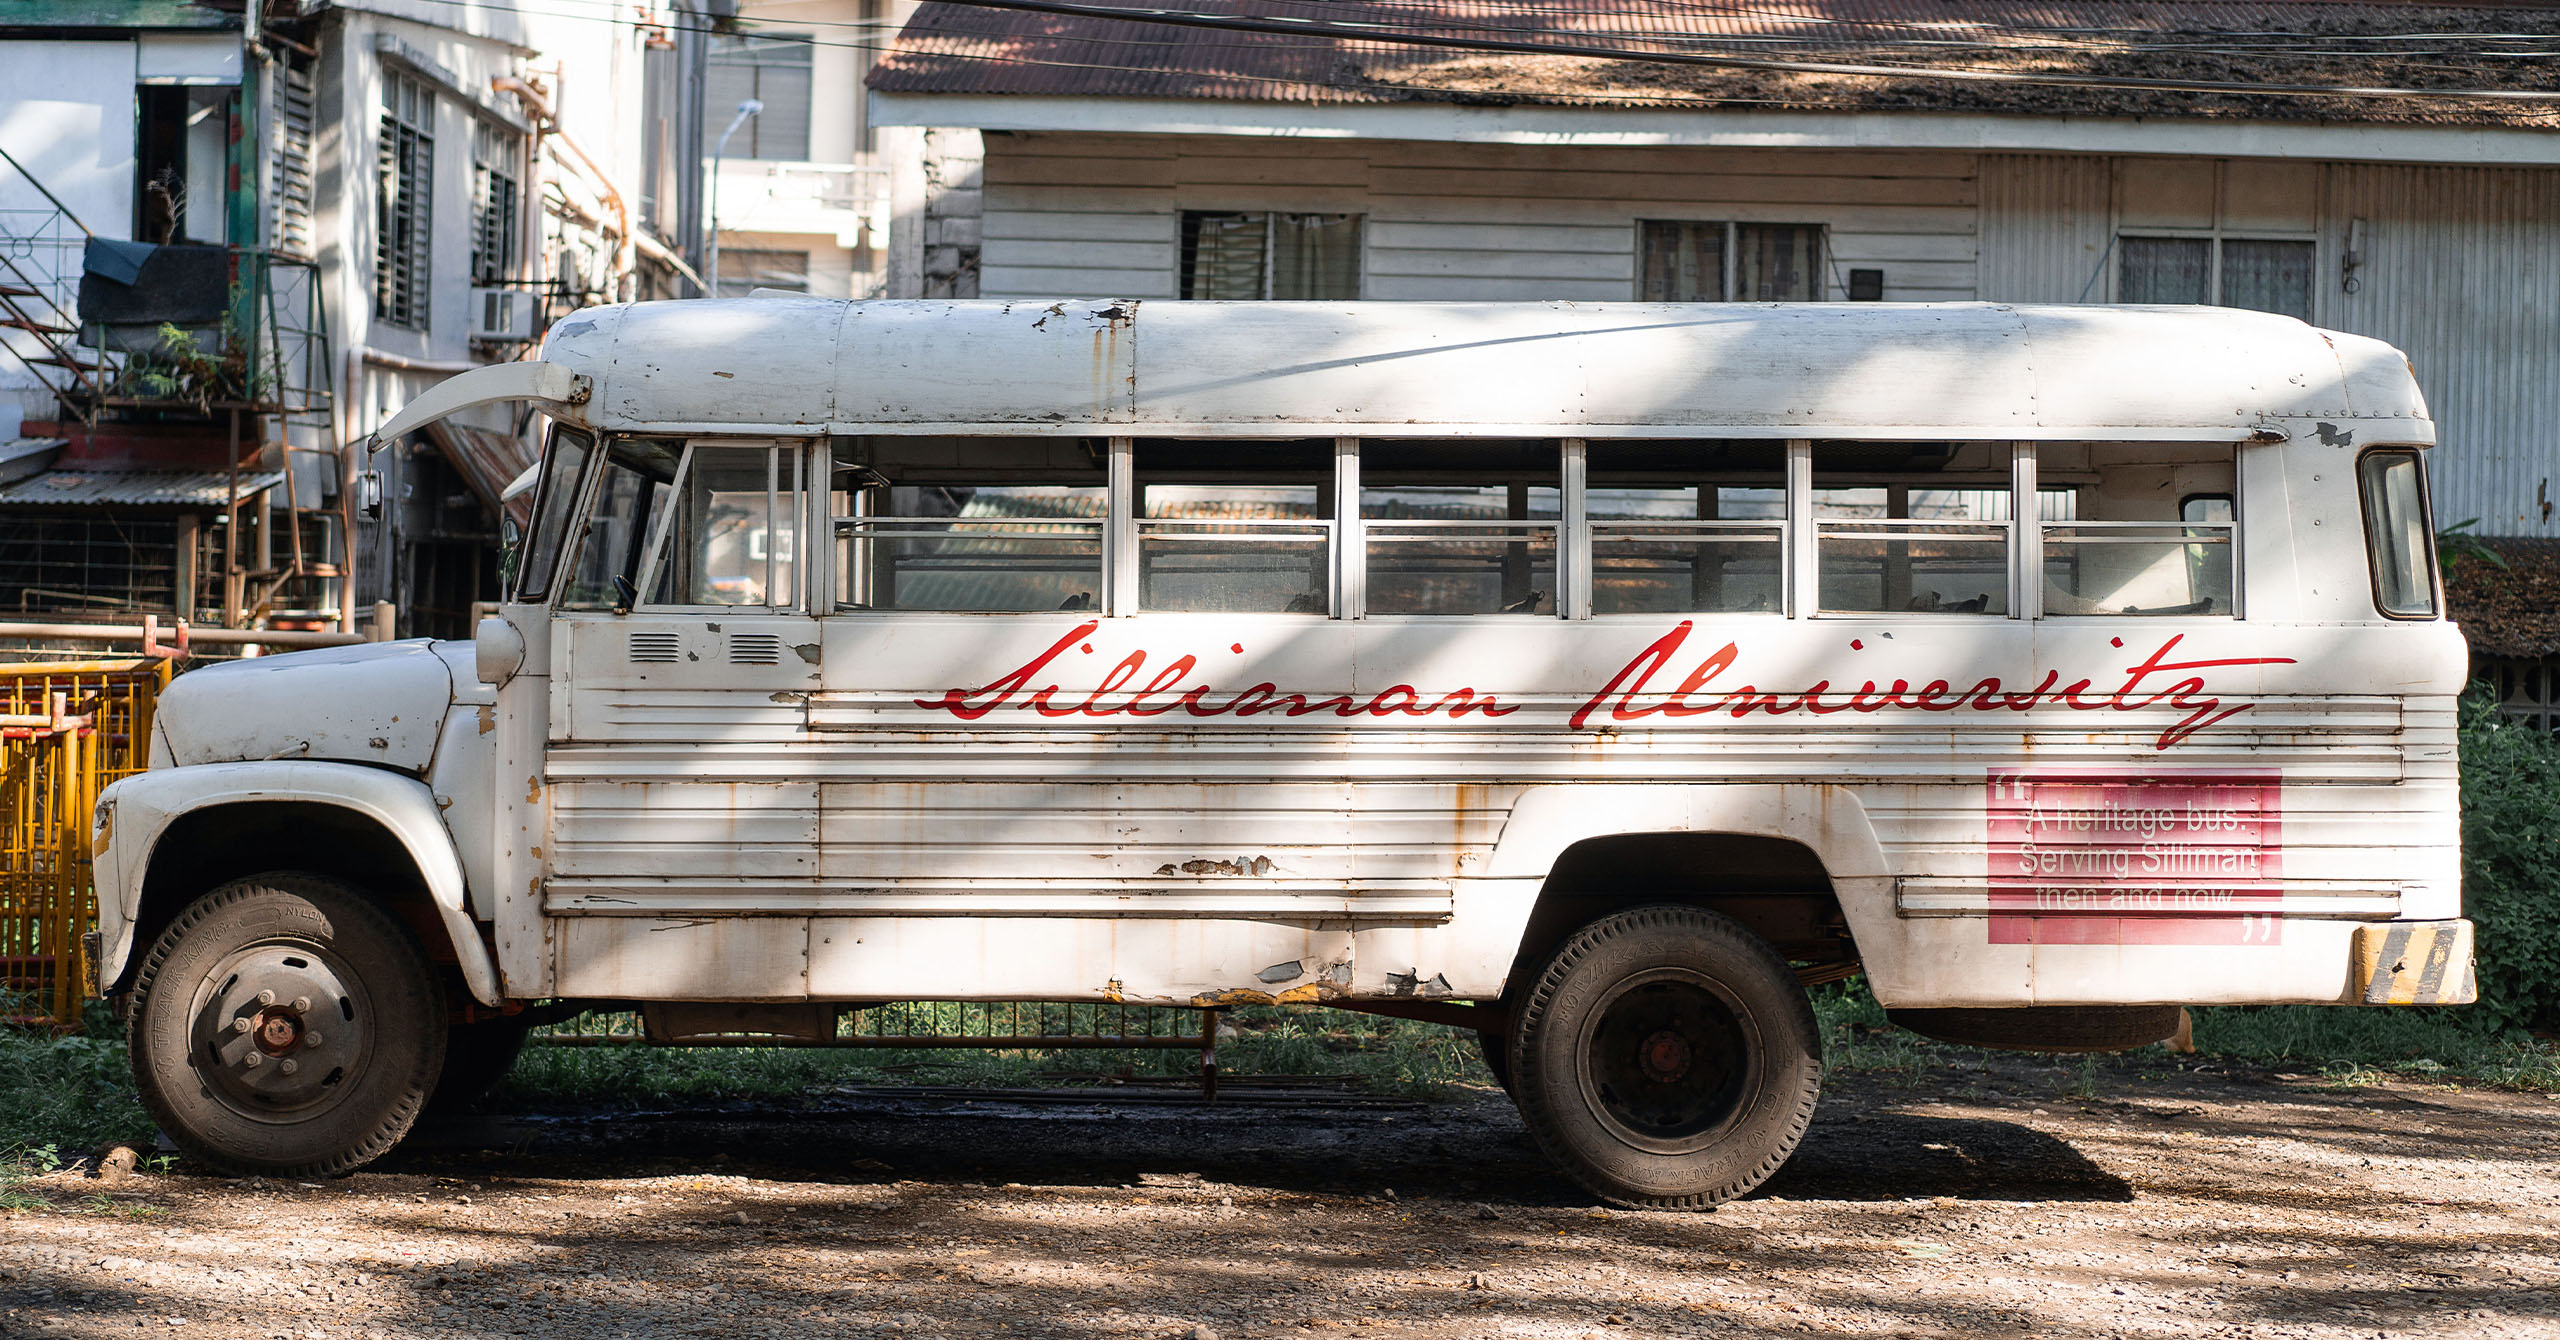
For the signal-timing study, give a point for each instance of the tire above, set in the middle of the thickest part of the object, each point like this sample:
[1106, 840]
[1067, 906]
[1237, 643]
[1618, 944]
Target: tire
[2046, 1028]
[1666, 1058]
[349, 1039]
[476, 1057]
[1496, 1050]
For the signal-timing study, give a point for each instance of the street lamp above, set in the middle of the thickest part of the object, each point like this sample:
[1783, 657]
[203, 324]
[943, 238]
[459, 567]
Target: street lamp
[746, 111]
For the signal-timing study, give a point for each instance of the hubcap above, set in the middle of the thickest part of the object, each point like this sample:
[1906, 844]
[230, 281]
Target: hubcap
[1667, 1060]
[280, 1029]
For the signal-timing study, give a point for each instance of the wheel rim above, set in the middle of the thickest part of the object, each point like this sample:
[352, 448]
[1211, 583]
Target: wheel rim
[280, 1030]
[1667, 1061]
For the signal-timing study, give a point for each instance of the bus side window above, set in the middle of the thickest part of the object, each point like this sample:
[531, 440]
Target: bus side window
[976, 525]
[1912, 527]
[1235, 527]
[2398, 534]
[729, 539]
[2143, 529]
[1460, 528]
[1688, 527]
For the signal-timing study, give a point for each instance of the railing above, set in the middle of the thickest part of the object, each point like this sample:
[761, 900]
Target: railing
[67, 729]
[745, 182]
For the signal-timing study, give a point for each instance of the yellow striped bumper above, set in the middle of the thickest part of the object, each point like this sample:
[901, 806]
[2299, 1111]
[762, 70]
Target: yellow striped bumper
[2415, 963]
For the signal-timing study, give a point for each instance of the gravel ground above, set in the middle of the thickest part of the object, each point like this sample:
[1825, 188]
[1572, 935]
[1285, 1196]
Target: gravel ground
[1985, 1202]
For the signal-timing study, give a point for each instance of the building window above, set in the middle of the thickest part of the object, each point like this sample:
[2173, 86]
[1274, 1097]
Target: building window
[1238, 257]
[743, 270]
[404, 196]
[773, 69]
[496, 220]
[1684, 260]
[2260, 274]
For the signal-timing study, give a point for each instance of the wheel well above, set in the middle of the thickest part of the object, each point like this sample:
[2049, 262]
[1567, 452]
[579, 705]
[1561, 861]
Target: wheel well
[204, 849]
[1776, 888]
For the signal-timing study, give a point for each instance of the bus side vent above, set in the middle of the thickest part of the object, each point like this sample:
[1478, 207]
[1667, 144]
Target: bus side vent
[755, 649]
[654, 648]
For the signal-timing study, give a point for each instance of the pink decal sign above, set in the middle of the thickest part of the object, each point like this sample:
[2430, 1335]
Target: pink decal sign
[2111, 858]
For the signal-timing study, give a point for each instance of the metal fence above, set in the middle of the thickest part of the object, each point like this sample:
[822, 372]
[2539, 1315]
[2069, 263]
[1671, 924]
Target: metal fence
[67, 729]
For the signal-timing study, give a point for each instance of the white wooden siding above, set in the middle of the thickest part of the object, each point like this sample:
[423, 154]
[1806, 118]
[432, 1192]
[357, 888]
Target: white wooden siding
[1099, 214]
[2459, 263]
[2458, 270]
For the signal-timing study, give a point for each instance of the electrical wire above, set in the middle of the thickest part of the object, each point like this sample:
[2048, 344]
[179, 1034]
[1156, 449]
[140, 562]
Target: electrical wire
[1379, 33]
[1332, 34]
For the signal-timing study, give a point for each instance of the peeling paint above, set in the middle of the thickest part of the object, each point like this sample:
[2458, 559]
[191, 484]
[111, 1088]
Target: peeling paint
[1413, 984]
[1253, 866]
[1283, 972]
[807, 651]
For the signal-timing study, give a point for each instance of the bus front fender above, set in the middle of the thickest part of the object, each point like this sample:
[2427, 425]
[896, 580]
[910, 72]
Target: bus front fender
[135, 815]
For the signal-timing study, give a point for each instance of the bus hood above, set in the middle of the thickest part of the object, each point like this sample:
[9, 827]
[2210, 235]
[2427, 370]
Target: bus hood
[380, 703]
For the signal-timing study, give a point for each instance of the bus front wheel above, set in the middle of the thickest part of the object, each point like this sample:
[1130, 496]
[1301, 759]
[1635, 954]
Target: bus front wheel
[285, 1025]
[1666, 1058]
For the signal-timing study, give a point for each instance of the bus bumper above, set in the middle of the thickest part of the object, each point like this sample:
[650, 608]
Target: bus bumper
[2415, 963]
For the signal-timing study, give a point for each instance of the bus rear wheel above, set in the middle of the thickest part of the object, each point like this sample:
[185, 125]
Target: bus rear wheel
[1666, 1058]
[285, 1025]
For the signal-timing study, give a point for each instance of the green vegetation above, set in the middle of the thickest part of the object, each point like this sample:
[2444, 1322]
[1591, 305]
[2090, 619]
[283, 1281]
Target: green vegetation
[1365, 1051]
[2511, 868]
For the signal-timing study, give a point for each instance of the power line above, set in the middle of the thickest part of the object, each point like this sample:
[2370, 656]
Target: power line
[1386, 34]
[1331, 33]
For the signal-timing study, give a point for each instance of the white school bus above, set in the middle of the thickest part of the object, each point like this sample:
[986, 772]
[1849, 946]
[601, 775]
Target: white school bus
[1593, 676]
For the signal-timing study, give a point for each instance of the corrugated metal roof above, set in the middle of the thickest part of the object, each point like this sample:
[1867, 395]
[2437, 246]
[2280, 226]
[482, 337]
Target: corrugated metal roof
[134, 488]
[950, 48]
[184, 14]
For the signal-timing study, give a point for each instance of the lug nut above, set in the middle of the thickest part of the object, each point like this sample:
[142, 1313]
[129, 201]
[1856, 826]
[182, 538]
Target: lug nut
[266, 997]
[242, 1024]
[302, 1004]
[288, 1065]
[310, 1039]
[254, 1059]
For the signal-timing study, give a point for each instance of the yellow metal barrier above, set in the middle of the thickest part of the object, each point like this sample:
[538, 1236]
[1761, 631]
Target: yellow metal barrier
[66, 730]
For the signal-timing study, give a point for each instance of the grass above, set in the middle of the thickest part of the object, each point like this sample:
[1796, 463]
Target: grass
[1379, 1054]
[61, 1097]
[2347, 1043]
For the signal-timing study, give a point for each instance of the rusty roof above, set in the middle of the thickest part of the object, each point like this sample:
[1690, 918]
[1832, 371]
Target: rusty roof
[2506, 611]
[2515, 46]
[135, 488]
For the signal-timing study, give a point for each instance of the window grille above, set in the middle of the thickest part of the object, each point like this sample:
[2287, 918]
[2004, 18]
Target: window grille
[496, 219]
[404, 202]
[1240, 257]
[773, 69]
[2260, 274]
[1685, 260]
[743, 270]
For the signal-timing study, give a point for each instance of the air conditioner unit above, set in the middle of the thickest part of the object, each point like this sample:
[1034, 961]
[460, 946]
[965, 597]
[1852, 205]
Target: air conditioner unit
[502, 314]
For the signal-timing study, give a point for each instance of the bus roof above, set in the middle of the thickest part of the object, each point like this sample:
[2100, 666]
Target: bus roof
[1920, 372]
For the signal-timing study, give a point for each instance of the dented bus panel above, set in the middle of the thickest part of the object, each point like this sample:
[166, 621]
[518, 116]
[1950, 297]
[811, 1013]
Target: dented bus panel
[1606, 670]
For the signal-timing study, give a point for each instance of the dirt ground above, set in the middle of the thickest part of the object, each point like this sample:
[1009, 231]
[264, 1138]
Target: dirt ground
[1988, 1202]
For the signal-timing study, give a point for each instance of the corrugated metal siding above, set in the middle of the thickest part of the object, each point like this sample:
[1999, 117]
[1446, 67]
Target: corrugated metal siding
[2044, 227]
[1098, 214]
[2462, 271]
